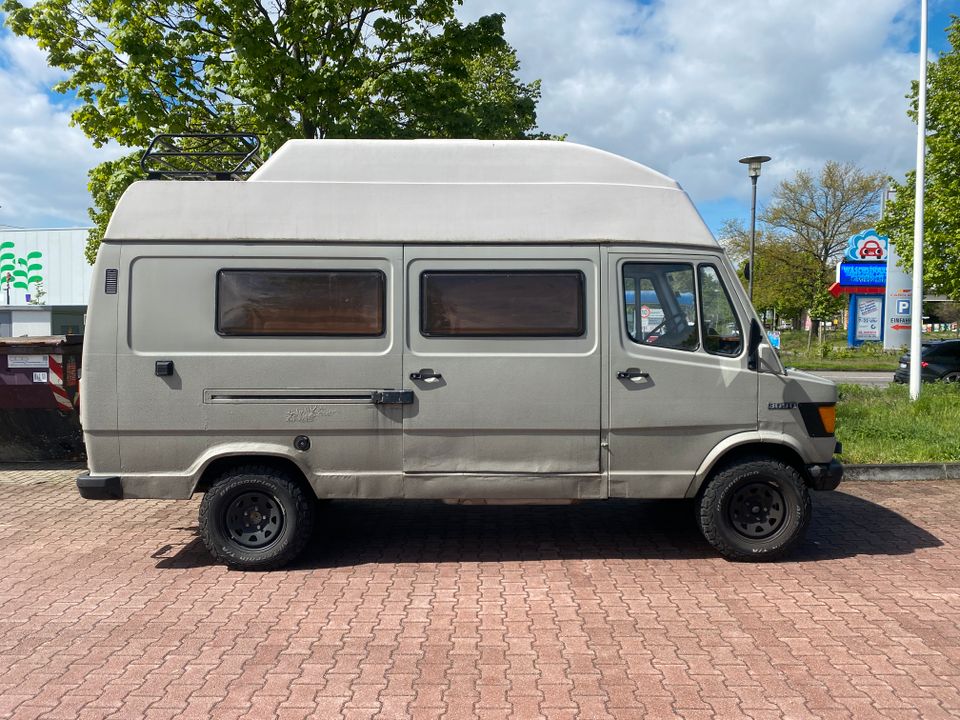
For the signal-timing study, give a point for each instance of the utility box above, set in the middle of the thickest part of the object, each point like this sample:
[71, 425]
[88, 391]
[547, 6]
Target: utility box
[39, 384]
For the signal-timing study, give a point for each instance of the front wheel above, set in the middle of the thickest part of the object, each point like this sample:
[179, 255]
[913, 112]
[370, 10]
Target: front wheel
[757, 509]
[256, 518]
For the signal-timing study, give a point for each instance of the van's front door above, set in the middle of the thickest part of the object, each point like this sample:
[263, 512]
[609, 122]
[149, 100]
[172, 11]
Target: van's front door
[503, 356]
[680, 381]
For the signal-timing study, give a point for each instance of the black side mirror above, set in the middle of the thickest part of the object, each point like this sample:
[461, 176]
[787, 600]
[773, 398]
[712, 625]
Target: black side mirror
[753, 344]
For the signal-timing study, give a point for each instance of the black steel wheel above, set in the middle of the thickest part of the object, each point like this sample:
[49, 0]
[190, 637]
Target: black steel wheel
[754, 509]
[253, 520]
[757, 510]
[256, 518]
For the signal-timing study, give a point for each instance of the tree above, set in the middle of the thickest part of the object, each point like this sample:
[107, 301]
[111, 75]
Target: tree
[941, 231]
[808, 222]
[278, 68]
[781, 283]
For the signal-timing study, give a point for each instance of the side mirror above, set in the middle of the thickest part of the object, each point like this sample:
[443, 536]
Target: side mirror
[753, 343]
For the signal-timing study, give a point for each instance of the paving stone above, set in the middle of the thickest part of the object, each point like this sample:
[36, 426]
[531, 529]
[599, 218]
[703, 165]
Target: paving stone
[417, 609]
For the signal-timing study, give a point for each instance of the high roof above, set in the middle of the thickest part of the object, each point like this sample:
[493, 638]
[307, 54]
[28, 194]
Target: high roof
[432, 191]
[453, 161]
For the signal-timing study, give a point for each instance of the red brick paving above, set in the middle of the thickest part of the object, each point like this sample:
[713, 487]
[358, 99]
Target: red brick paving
[422, 610]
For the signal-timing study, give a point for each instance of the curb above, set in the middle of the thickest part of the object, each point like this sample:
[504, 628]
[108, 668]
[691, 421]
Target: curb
[906, 471]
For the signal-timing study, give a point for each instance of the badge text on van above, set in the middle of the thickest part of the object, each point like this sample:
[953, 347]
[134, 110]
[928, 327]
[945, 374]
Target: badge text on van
[782, 406]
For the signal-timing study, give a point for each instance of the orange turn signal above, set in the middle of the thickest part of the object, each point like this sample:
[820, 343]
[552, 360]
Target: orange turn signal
[828, 416]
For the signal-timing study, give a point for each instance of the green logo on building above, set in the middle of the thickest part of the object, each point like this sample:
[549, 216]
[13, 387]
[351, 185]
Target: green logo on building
[20, 272]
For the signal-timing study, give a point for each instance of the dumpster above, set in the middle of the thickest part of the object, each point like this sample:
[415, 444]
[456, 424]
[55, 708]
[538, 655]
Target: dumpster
[39, 384]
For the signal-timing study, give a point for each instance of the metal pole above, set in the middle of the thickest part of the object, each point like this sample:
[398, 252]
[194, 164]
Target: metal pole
[753, 232]
[916, 316]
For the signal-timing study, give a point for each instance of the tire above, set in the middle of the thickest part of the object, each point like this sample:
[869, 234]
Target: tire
[256, 518]
[951, 377]
[757, 509]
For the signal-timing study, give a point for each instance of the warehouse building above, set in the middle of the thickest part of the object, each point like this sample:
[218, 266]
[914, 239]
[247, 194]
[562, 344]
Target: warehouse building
[44, 281]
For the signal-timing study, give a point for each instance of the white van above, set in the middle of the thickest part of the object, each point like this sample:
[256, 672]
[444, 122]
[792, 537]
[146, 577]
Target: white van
[449, 319]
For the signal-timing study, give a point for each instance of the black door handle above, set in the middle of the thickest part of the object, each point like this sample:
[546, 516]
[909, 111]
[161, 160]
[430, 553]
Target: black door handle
[426, 375]
[633, 374]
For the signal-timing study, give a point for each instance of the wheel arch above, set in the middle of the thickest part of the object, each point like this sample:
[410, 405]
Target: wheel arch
[751, 444]
[219, 464]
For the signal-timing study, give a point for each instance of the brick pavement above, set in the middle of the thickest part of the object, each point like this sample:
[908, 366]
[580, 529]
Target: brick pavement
[422, 610]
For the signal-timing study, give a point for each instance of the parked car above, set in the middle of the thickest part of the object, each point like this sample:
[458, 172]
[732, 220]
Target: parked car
[939, 361]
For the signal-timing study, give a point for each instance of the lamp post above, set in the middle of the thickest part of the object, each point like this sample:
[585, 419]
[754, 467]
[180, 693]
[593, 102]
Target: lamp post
[753, 164]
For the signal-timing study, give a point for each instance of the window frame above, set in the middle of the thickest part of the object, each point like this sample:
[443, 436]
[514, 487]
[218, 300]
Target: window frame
[733, 308]
[381, 276]
[692, 265]
[581, 309]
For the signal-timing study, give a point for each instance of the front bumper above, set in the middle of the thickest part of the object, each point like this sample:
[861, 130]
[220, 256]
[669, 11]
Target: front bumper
[92, 487]
[826, 476]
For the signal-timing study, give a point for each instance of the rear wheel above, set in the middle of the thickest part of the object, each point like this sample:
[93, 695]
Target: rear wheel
[951, 377]
[756, 509]
[256, 518]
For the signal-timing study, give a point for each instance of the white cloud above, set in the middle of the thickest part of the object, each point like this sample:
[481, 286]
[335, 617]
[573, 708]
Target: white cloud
[690, 86]
[43, 161]
[686, 86]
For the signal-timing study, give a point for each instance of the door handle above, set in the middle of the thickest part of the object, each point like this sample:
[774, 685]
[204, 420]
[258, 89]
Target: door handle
[426, 375]
[633, 374]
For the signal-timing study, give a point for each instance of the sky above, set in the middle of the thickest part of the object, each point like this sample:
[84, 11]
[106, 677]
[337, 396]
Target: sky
[684, 86]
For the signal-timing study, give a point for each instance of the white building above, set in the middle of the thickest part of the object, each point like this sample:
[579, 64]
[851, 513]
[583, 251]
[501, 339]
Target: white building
[44, 281]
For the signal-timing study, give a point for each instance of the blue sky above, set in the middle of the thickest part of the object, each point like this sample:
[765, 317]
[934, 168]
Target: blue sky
[685, 86]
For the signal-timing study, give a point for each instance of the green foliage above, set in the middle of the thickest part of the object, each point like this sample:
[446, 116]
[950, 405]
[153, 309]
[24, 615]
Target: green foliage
[300, 68]
[807, 224]
[783, 280]
[941, 241]
[882, 425]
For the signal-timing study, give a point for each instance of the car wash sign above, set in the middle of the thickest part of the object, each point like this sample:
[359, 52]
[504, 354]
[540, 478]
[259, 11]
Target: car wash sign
[863, 276]
[863, 270]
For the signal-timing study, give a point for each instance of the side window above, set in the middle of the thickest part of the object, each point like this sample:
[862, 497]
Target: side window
[660, 304]
[301, 302]
[722, 334]
[502, 304]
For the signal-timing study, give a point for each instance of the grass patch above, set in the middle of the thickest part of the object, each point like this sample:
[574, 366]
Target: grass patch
[882, 425]
[833, 353]
[848, 364]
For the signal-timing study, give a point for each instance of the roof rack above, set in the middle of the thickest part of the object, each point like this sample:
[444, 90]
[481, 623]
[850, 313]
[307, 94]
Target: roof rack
[201, 156]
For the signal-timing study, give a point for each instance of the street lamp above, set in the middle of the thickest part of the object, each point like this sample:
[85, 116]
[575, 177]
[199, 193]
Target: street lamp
[753, 164]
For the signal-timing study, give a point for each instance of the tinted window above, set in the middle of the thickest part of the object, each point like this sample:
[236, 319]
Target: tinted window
[301, 302]
[660, 305]
[507, 304]
[722, 334]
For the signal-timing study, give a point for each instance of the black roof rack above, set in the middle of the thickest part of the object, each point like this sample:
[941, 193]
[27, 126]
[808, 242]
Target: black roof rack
[201, 156]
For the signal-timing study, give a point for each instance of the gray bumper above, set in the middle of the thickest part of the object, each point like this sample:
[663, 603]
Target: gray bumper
[825, 477]
[100, 488]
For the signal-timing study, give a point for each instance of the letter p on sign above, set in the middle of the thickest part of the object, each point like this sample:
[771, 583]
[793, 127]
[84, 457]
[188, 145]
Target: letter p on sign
[903, 307]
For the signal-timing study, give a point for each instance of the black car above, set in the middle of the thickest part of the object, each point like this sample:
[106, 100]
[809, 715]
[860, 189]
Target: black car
[939, 361]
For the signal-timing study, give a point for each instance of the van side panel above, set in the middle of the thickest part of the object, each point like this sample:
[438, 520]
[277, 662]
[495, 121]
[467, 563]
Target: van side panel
[238, 394]
[502, 403]
[98, 382]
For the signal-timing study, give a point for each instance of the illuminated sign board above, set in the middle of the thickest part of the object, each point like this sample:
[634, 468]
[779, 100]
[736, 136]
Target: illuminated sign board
[862, 274]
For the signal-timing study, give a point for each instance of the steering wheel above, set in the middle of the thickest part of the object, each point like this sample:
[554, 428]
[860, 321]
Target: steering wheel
[655, 331]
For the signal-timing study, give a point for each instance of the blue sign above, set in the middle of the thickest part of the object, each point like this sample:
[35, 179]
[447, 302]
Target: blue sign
[863, 274]
[866, 247]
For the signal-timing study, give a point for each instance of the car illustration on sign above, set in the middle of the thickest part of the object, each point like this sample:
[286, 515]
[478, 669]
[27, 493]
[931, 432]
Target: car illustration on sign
[871, 248]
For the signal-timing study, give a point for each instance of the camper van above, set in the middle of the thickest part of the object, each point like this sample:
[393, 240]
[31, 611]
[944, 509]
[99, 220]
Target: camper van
[438, 319]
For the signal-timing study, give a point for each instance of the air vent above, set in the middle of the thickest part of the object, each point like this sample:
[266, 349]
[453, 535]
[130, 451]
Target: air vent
[110, 285]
